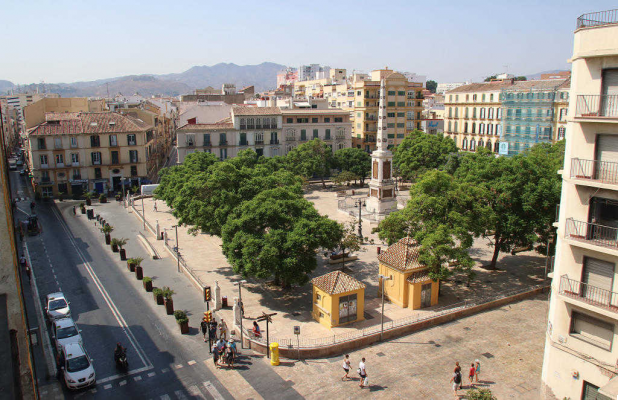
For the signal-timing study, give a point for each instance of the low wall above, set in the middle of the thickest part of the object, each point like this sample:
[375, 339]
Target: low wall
[343, 347]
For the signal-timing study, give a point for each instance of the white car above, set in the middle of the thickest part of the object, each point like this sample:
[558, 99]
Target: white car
[57, 306]
[64, 332]
[76, 366]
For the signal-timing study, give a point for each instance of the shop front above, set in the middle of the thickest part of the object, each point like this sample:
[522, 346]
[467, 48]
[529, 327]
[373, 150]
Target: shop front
[338, 299]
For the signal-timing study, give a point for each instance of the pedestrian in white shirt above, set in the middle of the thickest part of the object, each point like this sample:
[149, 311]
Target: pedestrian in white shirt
[363, 373]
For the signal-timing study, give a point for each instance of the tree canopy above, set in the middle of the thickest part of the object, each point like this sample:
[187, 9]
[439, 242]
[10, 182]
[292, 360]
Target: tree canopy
[311, 158]
[355, 161]
[276, 234]
[431, 86]
[420, 152]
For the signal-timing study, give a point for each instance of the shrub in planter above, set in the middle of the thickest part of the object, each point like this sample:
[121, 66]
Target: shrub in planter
[114, 244]
[61, 196]
[123, 253]
[169, 302]
[147, 282]
[88, 197]
[131, 264]
[182, 320]
[139, 272]
[118, 197]
[107, 230]
[82, 208]
[158, 295]
[103, 198]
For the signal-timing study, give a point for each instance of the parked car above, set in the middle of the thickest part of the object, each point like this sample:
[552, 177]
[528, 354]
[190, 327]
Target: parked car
[57, 306]
[65, 332]
[76, 366]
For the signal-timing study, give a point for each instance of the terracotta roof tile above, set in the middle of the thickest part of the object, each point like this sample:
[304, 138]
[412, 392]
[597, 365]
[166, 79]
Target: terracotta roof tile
[337, 282]
[247, 110]
[88, 123]
[418, 277]
[403, 255]
[207, 127]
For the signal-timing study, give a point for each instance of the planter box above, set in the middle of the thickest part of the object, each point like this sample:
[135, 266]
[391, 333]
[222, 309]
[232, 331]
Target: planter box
[83, 210]
[131, 267]
[115, 248]
[158, 299]
[139, 272]
[88, 202]
[103, 200]
[148, 286]
[169, 306]
[108, 238]
[184, 327]
[123, 255]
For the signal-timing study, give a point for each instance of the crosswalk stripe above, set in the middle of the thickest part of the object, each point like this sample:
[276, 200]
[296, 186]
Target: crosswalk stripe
[191, 362]
[194, 391]
[138, 378]
[165, 397]
[122, 383]
[108, 386]
[178, 366]
[151, 374]
[213, 390]
[180, 394]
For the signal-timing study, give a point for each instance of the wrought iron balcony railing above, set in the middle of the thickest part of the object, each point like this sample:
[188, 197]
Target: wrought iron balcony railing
[594, 170]
[588, 293]
[600, 235]
[596, 106]
[597, 18]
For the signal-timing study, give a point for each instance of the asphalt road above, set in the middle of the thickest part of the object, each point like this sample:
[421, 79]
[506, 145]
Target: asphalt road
[108, 309]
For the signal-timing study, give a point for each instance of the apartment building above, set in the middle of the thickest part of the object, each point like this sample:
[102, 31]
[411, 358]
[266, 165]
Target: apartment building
[258, 128]
[72, 153]
[581, 347]
[228, 94]
[333, 126]
[404, 107]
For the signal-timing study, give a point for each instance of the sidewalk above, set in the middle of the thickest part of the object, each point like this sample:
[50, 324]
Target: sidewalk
[203, 255]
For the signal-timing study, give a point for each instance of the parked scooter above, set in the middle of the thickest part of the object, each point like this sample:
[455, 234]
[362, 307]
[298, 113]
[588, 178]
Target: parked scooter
[120, 356]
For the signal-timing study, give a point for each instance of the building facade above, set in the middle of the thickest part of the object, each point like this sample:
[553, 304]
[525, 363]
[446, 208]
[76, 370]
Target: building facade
[581, 346]
[72, 153]
[330, 125]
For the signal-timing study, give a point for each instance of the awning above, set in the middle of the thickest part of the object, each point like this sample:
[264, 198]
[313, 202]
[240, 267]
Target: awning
[611, 388]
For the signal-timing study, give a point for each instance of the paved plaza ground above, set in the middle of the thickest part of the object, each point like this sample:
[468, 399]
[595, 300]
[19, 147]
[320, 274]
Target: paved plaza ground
[203, 254]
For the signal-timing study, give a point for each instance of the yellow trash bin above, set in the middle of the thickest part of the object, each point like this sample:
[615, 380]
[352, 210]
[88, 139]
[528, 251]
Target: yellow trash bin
[274, 353]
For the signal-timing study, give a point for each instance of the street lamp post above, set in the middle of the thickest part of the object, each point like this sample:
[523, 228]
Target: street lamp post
[242, 310]
[143, 212]
[124, 202]
[177, 248]
[360, 203]
[383, 278]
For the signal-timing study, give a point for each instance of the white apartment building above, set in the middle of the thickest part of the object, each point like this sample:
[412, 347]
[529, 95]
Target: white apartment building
[581, 347]
[446, 87]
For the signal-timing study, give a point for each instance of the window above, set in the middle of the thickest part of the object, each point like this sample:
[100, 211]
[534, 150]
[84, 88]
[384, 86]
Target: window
[326, 120]
[390, 115]
[474, 127]
[472, 145]
[449, 127]
[289, 120]
[400, 125]
[491, 97]
[223, 138]
[115, 157]
[75, 158]
[391, 92]
[131, 140]
[327, 134]
[465, 127]
[59, 160]
[43, 160]
[76, 173]
[592, 330]
[561, 132]
[41, 143]
[274, 139]
[259, 138]
[391, 104]
[401, 115]
[314, 120]
[243, 123]
[401, 93]
[290, 134]
[95, 141]
[496, 147]
[450, 112]
[490, 112]
[250, 123]
[133, 158]
[258, 123]
[73, 141]
[455, 129]
[390, 125]
[499, 113]
[466, 113]
[482, 129]
[303, 134]
[57, 143]
[467, 97]
[243, 139]
[315, 134]
[207, 139]
[591, 392]
[95, 157]
[97, 173]
[133, 170]
[302, 120]
[223, 154]
[464, 144]
[418, 115]
[473, 97]
[498, 129]
[113, 140]
[490, 129]
[401, 104]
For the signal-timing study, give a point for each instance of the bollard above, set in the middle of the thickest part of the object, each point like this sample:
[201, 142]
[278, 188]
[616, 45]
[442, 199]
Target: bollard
[274, 353]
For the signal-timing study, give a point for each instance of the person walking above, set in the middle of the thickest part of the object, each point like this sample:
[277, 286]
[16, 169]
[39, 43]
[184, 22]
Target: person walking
[458, 369]
[212, 333]
[223, 330]
[346, 367]
[215, 354]
[471, 374]
[204, 328]
[456, 380]
[155, 206]
[477, 369]
[363, 373]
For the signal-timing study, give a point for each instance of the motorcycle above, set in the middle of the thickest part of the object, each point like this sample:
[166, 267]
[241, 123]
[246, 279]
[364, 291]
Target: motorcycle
[120, 356]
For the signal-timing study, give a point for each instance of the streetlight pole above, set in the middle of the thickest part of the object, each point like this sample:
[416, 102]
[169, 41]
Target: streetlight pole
[383, 278]
[242, 310]
[177, 248]
[124, 200]
[360, 204]
[143, 212]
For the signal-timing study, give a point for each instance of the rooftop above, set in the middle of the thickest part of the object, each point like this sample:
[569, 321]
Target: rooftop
[315, 111]
[597, 18]
[88, 123]
[337, 282]
[402, 255]
[246, 110]
[496, 86]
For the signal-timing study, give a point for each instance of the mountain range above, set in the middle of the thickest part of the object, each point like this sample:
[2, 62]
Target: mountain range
[263, 76]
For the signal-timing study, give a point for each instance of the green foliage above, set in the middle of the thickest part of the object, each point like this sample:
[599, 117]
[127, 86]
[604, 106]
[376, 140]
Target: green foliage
[437, 216]
[147, 279]
[420, 152]
[355, 161]
[121, 242]
[157, 292]
[87, 195]
[344, 177]
[107, 229]
[431, 86]
[479, 394]
[521, 78]
[490, 78]
[114, 242]
[137, 261]
[102, 197]
[167, 293]
[276, 234]
[181, 316]
[311, 158]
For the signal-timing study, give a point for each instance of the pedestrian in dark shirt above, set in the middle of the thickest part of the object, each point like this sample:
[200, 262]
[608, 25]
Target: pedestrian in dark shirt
[204, 328]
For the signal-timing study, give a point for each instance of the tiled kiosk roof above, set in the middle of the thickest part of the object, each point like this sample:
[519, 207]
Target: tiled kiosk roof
[402, 256]
[337, 282]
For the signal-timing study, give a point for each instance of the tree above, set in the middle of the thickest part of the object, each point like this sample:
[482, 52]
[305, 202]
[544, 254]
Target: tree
[490, 78]
[420, 152]
[350, 242]
[345, 177]
[479, 394]
[312, 158]
[437, 216]
[518, 195]
[354, 160]
[521, 78]
[431, 86]
[276, 234]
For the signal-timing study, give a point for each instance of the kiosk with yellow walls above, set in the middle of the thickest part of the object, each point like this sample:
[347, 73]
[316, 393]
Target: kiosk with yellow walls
[410, 284]
[338, 299]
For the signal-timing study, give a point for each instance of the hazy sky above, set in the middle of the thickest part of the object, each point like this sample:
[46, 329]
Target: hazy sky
[447, 40]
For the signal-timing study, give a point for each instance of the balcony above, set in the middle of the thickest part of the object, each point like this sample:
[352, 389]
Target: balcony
[75, 164]
[243, 143]
[190, 143]
[589, 294]
[207, 144]
[44, 166]
[223, 143]
[259, 142]
[59, 165]
[596, 106]
[587, 232]
[274, 141]
[594, 171]
[243, 126]
[597, 18]
[45, 179]
[77, 177]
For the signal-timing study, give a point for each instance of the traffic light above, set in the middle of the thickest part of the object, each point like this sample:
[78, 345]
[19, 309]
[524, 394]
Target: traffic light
[208, 316]
[207, 293]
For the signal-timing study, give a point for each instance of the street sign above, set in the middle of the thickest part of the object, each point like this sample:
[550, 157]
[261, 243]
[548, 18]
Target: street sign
[297, 330]
[266, 317]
